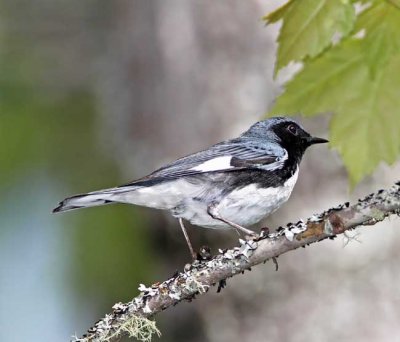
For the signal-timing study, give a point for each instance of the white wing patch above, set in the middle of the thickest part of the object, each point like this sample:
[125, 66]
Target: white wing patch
[215, 164]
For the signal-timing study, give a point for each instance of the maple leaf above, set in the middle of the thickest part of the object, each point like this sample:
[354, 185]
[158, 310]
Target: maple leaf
[366, 123]
[309, 26]
[358, 79]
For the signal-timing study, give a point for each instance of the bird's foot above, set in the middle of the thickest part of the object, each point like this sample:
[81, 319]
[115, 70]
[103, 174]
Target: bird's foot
[204, 253]
[265, 231]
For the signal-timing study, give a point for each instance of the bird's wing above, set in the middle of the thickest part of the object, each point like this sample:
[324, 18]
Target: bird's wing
[232, 155]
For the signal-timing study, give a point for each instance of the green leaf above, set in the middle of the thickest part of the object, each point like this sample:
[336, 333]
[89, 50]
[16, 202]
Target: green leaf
[394, 3]
[278, 14]
[309, 26]
[381, 23]
[366, 125]
[367, 131]
[325, 82]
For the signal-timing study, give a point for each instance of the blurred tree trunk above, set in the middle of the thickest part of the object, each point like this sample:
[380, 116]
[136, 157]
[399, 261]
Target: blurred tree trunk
[177, 76]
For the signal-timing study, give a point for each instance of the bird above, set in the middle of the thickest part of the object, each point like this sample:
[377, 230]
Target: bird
[232, 184]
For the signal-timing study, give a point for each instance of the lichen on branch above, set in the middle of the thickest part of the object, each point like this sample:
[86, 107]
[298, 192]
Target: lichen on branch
[133, 318]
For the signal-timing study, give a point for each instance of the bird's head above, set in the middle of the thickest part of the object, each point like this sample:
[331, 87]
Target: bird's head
[284, 131]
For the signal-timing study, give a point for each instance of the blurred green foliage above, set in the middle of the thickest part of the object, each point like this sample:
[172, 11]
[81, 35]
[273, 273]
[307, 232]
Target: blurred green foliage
[53, 130]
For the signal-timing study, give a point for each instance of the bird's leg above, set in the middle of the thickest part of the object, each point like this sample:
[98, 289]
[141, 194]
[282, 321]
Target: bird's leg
[194, 256]
[214, 213]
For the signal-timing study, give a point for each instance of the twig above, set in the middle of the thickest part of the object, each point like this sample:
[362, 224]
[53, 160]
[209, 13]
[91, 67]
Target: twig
[133, 317]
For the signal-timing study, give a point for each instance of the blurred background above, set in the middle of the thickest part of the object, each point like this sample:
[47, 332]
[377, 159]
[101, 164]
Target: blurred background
[97, 93]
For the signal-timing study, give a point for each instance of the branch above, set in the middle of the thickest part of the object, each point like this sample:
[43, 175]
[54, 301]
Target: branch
[132, 318]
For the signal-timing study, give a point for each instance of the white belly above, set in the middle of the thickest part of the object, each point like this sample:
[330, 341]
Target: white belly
[245, 206]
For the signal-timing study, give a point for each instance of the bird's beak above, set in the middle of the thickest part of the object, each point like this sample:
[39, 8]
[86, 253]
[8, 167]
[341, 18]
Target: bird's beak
[315, 140]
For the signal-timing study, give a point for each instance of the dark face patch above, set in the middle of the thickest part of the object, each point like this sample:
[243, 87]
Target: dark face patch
[290, 133]
[293, 138]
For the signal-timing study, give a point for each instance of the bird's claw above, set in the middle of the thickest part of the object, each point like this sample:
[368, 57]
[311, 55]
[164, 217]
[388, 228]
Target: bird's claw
[204, 253]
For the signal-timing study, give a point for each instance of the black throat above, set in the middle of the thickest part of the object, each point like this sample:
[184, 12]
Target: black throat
[272, 178]
[295, 154]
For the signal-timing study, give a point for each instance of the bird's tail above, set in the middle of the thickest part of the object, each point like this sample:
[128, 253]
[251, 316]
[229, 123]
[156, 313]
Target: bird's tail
[90, 199]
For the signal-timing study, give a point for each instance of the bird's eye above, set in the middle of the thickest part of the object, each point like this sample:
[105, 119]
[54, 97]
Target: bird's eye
[292, 129]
